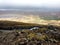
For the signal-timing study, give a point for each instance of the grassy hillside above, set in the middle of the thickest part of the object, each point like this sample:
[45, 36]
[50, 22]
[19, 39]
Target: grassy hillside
[14, 23]
[46, 34]
[10, 25]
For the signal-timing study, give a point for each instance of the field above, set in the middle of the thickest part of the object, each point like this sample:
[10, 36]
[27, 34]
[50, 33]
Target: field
[43, 18]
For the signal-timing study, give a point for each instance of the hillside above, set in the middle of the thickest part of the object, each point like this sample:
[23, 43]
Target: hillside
[19, 33]
[10, 25]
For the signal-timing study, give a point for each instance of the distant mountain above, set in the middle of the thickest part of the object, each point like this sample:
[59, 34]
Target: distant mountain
[28, 8]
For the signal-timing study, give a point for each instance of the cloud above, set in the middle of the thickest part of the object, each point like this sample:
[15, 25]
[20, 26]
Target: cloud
[53, 3]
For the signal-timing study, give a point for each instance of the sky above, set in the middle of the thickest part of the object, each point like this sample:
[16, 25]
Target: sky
[46, 3]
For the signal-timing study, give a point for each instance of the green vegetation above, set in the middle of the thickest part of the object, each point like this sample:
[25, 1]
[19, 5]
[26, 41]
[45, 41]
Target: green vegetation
[51, 18]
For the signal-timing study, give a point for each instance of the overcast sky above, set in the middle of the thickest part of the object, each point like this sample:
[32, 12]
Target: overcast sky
[48, 3]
